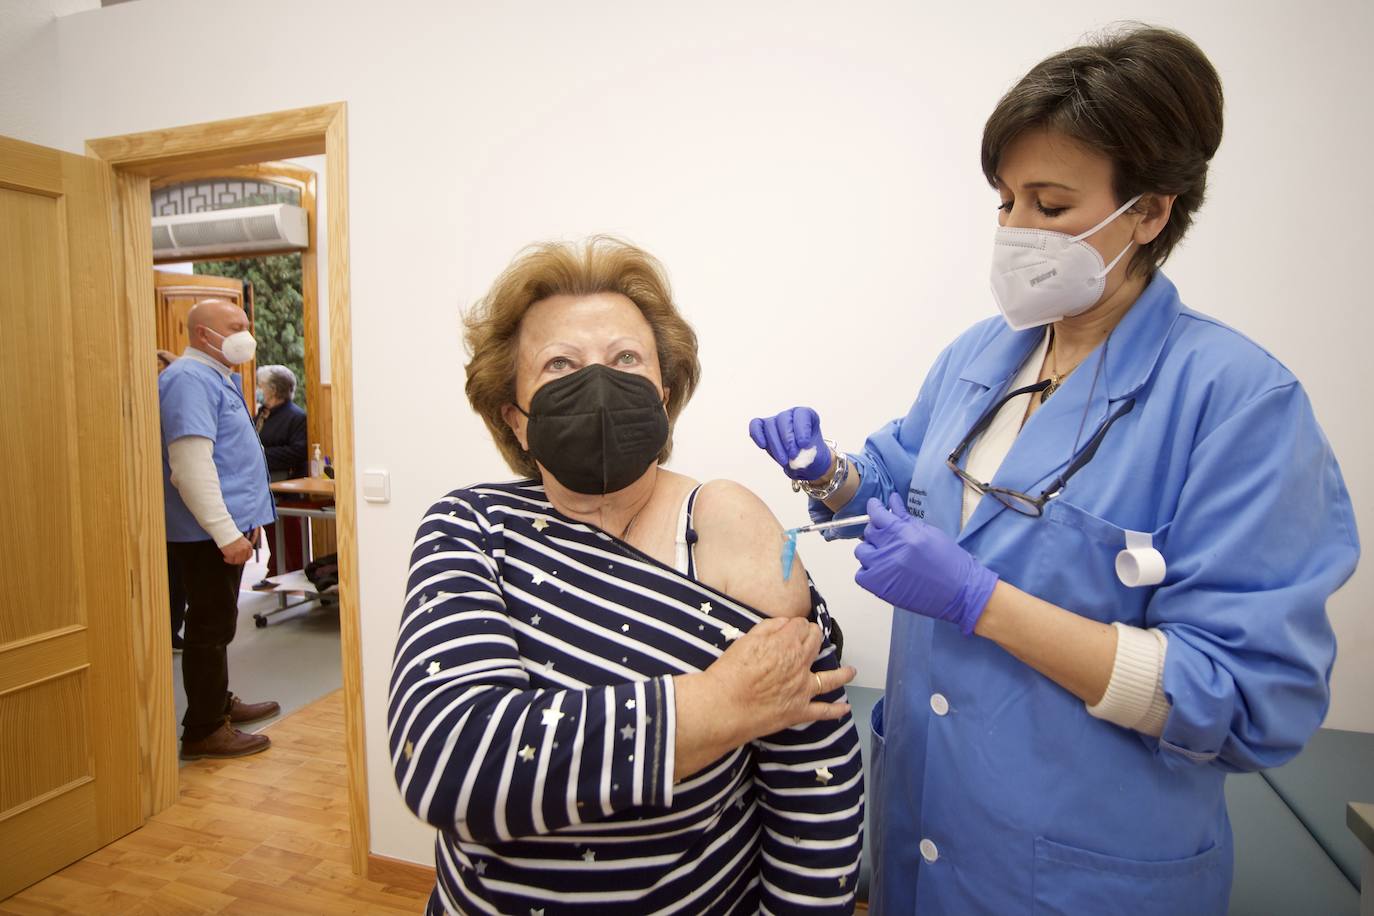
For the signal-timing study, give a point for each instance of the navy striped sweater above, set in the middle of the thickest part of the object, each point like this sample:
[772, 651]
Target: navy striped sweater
[532, 720]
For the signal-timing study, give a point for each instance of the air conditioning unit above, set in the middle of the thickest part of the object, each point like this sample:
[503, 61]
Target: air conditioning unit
[242, 230]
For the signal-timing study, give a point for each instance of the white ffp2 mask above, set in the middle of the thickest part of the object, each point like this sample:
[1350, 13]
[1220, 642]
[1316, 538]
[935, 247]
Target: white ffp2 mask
[238, 347]
[1040, 276]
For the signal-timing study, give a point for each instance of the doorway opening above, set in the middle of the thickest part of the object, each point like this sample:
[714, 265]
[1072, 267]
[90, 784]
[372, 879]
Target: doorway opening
[250, 235]
[138, 161]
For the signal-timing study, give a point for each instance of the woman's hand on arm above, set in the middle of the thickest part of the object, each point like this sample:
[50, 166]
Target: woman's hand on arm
[764, 679]
[761, 684]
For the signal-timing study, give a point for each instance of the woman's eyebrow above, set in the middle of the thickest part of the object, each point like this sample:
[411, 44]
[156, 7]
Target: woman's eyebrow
[1033, 185]
[555, 344]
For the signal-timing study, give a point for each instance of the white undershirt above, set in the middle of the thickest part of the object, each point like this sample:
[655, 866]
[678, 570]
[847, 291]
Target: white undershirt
[1135, 695]
[991, 448]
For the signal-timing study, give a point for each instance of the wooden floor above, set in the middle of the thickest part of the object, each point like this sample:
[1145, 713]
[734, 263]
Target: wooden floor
[265, 834]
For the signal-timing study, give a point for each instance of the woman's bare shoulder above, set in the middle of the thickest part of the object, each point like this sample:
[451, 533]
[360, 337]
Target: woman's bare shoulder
[739, 551]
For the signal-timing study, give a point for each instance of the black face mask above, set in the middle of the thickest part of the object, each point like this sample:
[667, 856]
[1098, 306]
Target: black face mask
[597, 430]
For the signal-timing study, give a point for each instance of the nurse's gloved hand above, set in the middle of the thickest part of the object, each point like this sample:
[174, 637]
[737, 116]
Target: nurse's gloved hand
[918, 567]
[793, 440]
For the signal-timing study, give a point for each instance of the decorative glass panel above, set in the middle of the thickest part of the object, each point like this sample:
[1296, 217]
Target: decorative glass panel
[220, 194]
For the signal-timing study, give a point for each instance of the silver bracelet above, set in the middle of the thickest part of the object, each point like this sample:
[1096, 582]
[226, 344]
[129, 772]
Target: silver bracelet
[836, 480]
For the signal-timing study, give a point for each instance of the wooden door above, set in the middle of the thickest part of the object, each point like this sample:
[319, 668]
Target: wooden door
[176, 293]
[69, 752]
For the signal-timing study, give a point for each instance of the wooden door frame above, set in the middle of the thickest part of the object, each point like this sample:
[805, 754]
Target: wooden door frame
[135, 158]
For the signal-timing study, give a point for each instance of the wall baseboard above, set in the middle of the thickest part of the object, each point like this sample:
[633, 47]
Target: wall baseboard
[409, 875]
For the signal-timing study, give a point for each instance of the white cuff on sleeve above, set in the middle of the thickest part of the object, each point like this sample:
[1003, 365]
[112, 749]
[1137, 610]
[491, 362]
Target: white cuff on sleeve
[668, 714]
[1135, 694]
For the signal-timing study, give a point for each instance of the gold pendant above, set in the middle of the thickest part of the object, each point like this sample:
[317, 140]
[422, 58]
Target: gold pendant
[1050, 389]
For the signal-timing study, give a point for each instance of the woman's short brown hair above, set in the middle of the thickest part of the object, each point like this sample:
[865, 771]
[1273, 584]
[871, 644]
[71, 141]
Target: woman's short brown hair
[1146, 98]
[600, 264]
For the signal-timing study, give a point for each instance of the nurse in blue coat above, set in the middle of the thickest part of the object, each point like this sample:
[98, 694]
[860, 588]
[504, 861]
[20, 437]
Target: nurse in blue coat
[1109, 525]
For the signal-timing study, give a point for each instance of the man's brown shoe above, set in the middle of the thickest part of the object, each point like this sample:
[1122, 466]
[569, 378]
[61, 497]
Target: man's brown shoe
[241, 712]
[225, 741]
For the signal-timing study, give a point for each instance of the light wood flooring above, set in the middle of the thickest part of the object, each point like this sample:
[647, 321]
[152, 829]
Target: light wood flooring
[265, 834]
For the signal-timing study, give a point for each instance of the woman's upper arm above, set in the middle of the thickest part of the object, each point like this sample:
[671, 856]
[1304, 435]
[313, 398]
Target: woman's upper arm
[739, 551]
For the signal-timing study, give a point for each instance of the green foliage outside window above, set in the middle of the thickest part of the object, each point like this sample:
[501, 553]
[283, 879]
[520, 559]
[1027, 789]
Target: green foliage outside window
[279, 315]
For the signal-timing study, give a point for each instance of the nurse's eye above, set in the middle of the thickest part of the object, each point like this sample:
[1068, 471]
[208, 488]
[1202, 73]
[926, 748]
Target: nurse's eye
[627, 358]
[1005, 206]
[1049, 211]
[558, 364]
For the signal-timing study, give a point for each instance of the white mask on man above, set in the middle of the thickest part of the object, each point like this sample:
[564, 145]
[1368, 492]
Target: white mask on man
[1040, 276]
[236, 348]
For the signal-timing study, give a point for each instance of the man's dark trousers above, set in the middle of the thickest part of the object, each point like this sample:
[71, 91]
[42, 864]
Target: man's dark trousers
[176, 595]
[212, 613]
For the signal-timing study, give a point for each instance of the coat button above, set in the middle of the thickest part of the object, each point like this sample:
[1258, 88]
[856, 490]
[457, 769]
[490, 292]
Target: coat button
[928, 851]
[939, 704]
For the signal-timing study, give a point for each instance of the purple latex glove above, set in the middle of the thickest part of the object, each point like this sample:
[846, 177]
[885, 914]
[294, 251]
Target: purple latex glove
[916, 566]
[787, 435]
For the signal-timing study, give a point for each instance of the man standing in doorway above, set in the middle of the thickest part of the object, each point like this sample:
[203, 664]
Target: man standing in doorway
[215, 490]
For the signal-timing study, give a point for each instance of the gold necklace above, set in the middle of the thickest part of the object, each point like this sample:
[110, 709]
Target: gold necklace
[1055, 379]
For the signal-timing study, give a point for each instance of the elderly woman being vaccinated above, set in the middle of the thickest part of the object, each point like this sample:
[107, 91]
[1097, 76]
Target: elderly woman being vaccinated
[605, 694]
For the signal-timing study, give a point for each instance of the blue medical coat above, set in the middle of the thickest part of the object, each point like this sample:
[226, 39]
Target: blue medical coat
[196, 400]
[1029, 803]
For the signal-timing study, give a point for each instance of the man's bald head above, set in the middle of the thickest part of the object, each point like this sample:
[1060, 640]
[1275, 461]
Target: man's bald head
[212, 320]
[216, 314]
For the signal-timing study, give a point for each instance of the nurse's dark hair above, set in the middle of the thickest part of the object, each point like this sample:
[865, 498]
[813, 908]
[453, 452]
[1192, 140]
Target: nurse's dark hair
[1146, 98]
[600, 264]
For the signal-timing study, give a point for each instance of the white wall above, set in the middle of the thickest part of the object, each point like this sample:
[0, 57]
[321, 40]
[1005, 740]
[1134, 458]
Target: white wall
[28, 71]
[808, 171]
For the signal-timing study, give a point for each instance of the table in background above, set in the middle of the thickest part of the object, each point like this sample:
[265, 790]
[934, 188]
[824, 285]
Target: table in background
[300, 497]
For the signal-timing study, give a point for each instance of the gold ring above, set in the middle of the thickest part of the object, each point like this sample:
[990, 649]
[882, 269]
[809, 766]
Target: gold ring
[819, 689]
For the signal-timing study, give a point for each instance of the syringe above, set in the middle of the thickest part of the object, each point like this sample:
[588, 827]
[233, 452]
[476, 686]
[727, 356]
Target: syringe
[789, 538]
[833, 523]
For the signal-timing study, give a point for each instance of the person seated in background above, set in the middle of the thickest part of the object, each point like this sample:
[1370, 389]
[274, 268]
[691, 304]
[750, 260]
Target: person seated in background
[281, 427]
[605, 694]
[281, 424]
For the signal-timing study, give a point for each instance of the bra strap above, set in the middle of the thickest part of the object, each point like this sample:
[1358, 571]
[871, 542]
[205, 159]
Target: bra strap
[687, 536]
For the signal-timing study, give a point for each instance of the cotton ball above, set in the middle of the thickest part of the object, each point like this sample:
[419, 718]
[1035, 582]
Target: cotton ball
[804, 458]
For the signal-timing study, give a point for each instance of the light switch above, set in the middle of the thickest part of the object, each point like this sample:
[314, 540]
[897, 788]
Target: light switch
[377, 486]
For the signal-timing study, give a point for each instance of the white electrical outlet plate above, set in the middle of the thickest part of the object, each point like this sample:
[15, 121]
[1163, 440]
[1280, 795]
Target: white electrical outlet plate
[377, 486]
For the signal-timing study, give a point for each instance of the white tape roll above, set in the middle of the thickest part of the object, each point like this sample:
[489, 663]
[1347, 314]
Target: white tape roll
[1140, 564]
